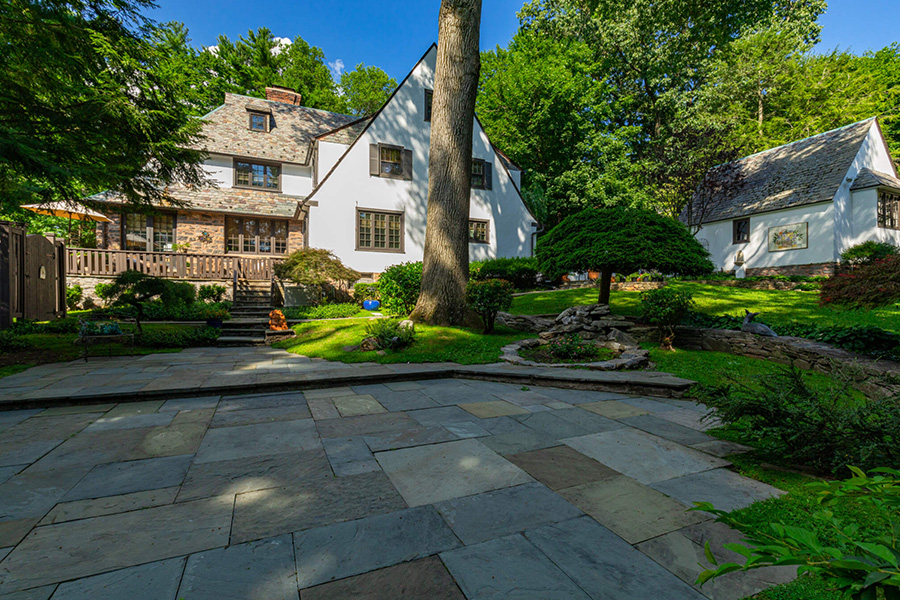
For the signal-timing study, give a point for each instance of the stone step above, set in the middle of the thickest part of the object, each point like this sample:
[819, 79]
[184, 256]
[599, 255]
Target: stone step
[241, 340]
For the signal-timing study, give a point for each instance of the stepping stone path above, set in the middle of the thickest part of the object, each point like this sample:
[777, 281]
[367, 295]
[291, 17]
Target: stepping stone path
[445, 489]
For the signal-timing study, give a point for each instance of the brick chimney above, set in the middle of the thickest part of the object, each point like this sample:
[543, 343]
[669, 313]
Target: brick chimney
[278, 93]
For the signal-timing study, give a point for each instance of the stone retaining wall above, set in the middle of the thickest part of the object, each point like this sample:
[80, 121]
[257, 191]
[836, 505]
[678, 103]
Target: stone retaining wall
[87, 284]
[752, 285]
[817, 269]
[636, 286]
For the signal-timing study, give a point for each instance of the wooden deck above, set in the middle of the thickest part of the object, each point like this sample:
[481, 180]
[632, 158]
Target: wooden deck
[89, 262]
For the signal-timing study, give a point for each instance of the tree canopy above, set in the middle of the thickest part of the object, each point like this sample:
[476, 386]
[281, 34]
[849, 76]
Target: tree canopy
[365, 89]
[621, 240]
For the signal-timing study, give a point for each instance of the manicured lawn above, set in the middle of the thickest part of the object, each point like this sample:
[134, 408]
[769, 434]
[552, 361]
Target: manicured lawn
[776, 306]
[326, 339]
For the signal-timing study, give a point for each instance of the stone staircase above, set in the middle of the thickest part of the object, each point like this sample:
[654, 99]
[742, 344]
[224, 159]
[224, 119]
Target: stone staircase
[249, 315]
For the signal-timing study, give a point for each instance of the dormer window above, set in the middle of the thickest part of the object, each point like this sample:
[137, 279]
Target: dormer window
[259, 122]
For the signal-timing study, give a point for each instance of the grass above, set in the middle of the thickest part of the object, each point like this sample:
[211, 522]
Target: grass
[326, 339]
[61, 347]
[776, 306]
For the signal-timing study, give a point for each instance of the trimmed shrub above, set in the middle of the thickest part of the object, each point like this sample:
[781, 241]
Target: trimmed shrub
[827, 428]
[521, 272]
[10, 341]
[870, 285]
[67, 325]
[74, 294]
[572, 347]
[868, 252]
[157, 310]
[389, 335]
[487, 298]
[665, 308]
[317, 267]
[399, 286]
[211, 293]
[366, 291]
[105, 291]
[180, 338]
[323, 311]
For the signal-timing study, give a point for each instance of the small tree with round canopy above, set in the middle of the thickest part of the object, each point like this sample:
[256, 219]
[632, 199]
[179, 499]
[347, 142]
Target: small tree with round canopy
[621, 240]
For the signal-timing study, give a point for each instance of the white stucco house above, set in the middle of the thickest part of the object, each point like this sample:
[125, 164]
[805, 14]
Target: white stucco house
[792, 210]
[287, 176]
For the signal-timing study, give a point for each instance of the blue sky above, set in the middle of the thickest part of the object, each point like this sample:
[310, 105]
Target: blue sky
[393, 35]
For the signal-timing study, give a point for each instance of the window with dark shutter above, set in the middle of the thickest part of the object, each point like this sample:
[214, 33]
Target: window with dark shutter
[392, 162]
[740, 229]
[481, 174]
[429, 95]
[379, 231]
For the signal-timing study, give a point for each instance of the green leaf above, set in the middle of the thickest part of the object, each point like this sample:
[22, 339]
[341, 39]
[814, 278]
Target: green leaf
[852, 565]
[875, 577]
[709, 555]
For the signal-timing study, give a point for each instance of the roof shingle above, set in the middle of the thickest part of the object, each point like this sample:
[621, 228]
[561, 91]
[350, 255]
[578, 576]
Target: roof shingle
[802, 172]
[867, 178]
[227, 200]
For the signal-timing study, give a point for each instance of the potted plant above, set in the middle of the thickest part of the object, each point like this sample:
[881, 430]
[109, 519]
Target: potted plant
[215, 318]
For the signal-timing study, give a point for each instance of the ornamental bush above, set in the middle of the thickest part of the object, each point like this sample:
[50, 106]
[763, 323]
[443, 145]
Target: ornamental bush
[389, 335]
[870, 285]
[399, 286]
[180, 338]
[665, 308]
[211, 292]
[11, 341]
[572, 347]
[74, 294]
[317, 267]
[868, 252]
[521, 272]
[104, 291]
[366, 291]
[489, 297]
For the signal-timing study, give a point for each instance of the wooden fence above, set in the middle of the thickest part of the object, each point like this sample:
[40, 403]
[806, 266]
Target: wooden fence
[92, 263]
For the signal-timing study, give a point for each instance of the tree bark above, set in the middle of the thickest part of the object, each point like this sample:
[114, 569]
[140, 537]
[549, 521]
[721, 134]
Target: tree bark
[445, 270]
[605, 283]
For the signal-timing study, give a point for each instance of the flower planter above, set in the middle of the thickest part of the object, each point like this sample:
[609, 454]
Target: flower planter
[217, 323]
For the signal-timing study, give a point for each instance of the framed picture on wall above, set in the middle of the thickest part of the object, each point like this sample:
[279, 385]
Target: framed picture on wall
[788, 237]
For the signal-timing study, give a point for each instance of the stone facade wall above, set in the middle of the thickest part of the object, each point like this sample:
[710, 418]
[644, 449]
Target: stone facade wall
[752, 285]
[87, 284]
[813, 270]
[636, 286]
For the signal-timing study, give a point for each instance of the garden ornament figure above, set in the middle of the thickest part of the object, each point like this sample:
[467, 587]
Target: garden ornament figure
[756, 328]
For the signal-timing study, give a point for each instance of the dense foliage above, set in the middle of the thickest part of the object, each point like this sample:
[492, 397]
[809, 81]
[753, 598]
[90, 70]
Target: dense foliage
[868, 252]
[12, 341]
[87, 105]
[366, 291]
[489, 297]
[868, 286]
[135, 290]
[621, 240]
[399, 287]
[522, 272]
[317, 268]
[389, 335]
[665, 307]
[74, 294]
[572, 347]
[180, 338]
[824, 427]
[157, 310]
[211, 292]
[864, 566]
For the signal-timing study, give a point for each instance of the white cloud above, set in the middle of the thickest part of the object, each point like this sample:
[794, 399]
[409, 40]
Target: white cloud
[214, 50]
[281, 44]
[337, 67]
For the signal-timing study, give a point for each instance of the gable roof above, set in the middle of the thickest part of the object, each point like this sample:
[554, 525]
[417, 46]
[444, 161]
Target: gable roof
[292, 129]
[869, 178]
[346, 134]
[803, 172]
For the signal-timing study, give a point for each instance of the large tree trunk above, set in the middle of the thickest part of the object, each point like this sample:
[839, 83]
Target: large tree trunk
[605, 284]
[445, 271]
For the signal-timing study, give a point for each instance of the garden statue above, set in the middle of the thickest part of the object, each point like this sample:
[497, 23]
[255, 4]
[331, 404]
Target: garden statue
[756, 328]
[277, 322]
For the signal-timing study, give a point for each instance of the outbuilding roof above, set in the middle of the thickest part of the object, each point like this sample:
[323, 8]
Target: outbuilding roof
[803, 172]
[869, 178]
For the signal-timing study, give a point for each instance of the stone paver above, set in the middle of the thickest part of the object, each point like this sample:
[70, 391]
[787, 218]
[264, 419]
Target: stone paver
[604, 565]
[261, 570]
[346, 549]
[428, 474]
[561, 467]
[151, 581]
[352, 492]
[649, 458]
[424, 578]
[509, 568]
[496, 514]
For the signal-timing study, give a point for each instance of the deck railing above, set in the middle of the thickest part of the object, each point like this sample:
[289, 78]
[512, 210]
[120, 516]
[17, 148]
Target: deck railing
[91, 262]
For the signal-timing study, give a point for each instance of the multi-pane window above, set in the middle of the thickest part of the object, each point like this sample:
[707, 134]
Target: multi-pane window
[477, 173]
[429, 96]
[740, 231]
[249, 235]
[147, 233]
[888, 210]
[478, 231]
[259, 122]
[391, 160]
[381, 231]
[247, 174]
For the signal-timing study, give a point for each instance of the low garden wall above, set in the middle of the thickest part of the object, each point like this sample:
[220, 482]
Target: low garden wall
[803, 353]
[636, 286]
[753, 285]
[87, 285]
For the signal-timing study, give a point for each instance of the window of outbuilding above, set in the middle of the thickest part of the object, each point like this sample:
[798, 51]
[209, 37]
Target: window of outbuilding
[888, 210]
[479, 231]
[740, 231]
